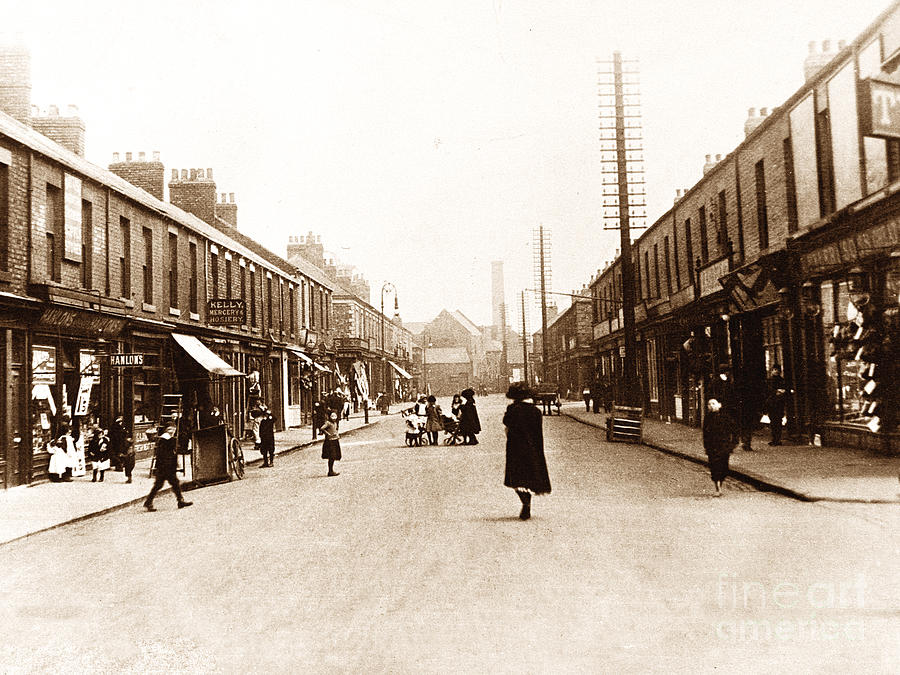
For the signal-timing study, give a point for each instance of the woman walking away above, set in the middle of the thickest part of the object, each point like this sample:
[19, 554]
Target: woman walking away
[719, 439]
[433, 422]
[331, 446]
[526, 467]
[267, 437]
[469, 424]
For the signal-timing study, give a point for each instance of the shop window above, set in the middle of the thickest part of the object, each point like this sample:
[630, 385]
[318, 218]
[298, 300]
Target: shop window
[294, 382]
[849, 334]
[771, 329]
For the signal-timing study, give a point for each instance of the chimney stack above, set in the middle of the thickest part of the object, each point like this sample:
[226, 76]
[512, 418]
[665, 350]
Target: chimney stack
[225, 210]
[195, 193]
[754, 120]
[818, 59]
[150, 176]
[67, 130]
[15, 80]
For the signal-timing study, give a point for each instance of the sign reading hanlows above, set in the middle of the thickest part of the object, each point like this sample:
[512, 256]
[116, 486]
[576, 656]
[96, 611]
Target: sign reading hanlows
[226, 312]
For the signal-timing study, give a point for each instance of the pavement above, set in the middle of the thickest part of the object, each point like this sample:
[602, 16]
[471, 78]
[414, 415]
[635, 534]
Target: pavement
[30, 509]
[805, 472]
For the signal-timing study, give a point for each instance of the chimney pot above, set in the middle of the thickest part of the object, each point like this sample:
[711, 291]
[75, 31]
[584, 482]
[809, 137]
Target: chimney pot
[209, 174]
[763, 112]
[718, 157]
[708, 158]
[115, 156]
[142, 156]
[826, 46]
[193, 174]
[72, 110]
[841, 45]
[223, 197]
[174, 174]
[812, 46]
[156, 155]
[127, 156]
[184, 174]
[53, 110]
[751, 112]
[231, 197]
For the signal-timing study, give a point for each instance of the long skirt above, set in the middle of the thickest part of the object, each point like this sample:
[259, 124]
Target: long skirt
[718, 465]
[331, 448]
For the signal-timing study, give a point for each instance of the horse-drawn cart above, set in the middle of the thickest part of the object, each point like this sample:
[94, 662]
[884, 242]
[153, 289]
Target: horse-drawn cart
[547, 396]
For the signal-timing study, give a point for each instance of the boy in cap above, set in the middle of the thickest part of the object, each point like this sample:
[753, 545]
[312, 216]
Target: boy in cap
[166, 468]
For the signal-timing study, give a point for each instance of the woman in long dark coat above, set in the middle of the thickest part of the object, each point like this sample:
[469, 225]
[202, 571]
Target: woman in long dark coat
[526, 467]
[469, 424]
[719, 439]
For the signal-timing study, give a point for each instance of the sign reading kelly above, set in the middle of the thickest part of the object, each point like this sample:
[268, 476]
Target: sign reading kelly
[879, 108]
[226, 312]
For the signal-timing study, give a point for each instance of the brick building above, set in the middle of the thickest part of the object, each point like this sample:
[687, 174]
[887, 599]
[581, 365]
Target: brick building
[784, 253]
[94, 265]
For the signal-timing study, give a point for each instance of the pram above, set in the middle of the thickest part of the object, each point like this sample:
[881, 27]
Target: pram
[415, 428]
[451, 430]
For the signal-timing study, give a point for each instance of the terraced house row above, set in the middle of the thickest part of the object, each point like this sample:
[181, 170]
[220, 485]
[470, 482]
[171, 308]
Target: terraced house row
[111, 298]
[786, 252]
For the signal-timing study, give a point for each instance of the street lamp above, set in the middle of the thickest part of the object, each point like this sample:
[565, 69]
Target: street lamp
[384, 380]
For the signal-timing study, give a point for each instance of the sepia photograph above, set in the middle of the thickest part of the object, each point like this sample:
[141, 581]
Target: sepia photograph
[487, 336]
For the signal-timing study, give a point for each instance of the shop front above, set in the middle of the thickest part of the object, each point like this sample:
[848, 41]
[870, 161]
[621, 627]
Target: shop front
[849, 304]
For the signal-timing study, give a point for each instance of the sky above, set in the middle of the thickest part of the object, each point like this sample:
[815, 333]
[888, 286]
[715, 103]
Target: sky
[422, 140]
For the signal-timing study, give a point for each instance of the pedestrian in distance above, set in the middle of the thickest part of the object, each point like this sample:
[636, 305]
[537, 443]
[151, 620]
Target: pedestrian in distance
[98, 452]
[120, 446]
[469, 424]
[433, 421]
[719, 439]
[456, 405]
[775, 404]
[526, 466]
[166, 468]
[586, 394]
[267, 436]
[331, 446]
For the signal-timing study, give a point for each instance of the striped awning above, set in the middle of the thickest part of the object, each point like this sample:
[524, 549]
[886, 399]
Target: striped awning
[402, 373]
[204, 356]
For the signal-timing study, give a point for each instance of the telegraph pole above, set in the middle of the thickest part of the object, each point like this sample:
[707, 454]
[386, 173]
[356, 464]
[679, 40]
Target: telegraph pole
[544, 350]
[524, 341]
[622, 164]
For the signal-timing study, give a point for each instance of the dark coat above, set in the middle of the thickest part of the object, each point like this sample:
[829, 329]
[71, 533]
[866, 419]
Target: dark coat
[775, 398]
[267, 433]
[526, 466]
[719, 433]
[166, 457]
[119, 442]
[468, 418]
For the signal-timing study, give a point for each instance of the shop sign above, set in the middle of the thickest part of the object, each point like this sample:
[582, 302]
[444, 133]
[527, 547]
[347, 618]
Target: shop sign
[43, 365]
[126, 360]
[226, 312]
[84, 323]
[879, 108]
[851, 249]
[73, 206]
[143, 443]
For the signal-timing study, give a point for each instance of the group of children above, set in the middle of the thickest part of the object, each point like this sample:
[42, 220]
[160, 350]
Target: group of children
[101, 447]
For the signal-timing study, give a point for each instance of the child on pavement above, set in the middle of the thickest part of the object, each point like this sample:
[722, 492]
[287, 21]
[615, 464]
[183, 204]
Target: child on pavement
[331, 446]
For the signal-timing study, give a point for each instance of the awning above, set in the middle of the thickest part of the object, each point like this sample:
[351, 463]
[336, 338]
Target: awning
[400, 371]
[321, 367]
[302, 355]
[202, 355]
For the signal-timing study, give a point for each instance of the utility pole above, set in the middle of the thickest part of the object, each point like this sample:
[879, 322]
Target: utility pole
[504, 363]
[524, 341]
[622, 157]
[544, 350]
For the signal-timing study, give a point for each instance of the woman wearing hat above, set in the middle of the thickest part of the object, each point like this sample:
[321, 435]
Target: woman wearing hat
[331, 446]
[469, 424]
[526, 467]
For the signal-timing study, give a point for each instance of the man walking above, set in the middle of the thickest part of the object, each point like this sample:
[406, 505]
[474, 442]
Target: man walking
[166, 468]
